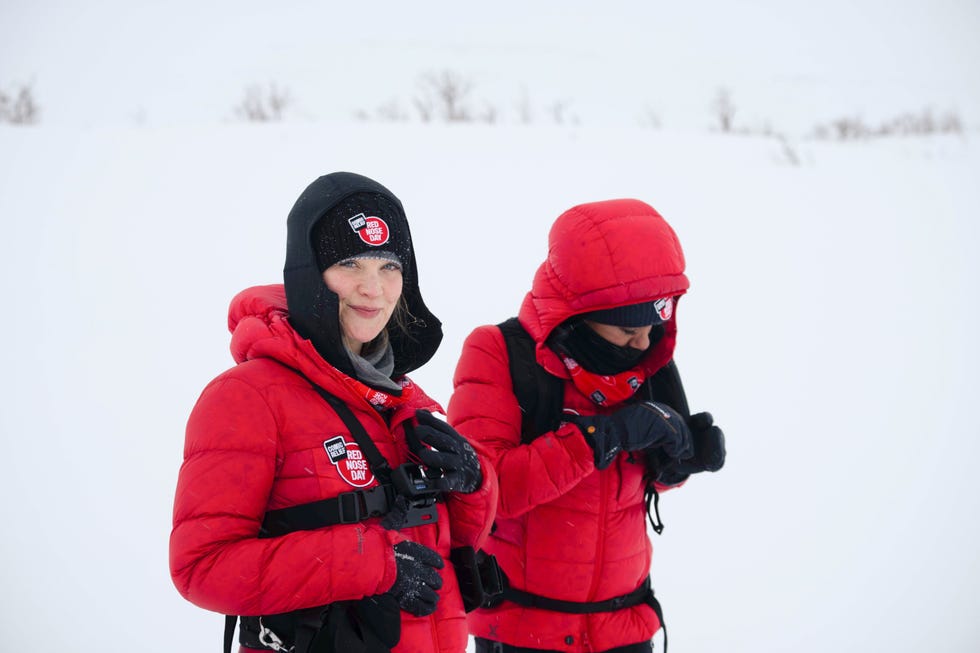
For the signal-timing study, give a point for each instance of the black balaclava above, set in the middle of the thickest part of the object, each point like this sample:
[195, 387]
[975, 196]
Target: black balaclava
[361, 217]
[596, 354]
[593, 352]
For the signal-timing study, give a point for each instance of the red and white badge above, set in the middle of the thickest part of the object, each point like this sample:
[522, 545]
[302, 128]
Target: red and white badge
[665, 308]
[372, 229]
[349, 460]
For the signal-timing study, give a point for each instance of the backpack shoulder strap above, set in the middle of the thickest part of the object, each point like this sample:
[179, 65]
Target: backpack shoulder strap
[379, 466]
[539, 393]
[665, 387]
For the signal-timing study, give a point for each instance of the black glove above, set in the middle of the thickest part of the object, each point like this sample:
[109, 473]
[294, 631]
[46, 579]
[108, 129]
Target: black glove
[450, 453]
[417, 581]
[709, 452]
[634, 427]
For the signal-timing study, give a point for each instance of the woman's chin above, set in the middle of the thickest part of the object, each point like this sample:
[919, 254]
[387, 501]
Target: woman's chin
[360, 336]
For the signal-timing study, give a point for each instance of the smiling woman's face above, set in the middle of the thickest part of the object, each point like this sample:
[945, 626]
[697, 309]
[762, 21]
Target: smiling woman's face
[368, 290]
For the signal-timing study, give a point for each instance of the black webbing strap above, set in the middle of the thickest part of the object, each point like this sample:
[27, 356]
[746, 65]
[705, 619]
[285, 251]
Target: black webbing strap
[665, 386]
[528, 600]
[230, 621]
[345, 508]
[642, 594]
[375, 460]
[655, 604]
[539, 394]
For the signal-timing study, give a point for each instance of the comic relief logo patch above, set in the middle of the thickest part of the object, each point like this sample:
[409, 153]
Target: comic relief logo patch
[665, 308]
[372, 229]
[349, 461]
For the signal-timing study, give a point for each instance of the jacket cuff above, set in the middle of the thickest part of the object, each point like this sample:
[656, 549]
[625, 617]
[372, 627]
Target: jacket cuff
[573, 439]
[390, 572]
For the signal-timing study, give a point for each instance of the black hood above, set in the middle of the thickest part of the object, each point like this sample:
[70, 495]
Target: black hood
[314, 308]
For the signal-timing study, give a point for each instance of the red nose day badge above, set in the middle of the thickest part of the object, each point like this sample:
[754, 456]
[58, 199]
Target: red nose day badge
[372, 229]
[665, 308]
[349, 461]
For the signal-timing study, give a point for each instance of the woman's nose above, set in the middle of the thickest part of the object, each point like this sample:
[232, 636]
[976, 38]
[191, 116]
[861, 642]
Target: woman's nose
[370, 285]
[641, 340]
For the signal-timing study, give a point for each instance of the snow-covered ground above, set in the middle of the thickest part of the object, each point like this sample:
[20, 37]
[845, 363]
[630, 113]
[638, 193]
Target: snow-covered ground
[829, 327]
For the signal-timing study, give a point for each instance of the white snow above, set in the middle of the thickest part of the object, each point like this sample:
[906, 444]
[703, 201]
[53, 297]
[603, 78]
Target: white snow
[830, 328]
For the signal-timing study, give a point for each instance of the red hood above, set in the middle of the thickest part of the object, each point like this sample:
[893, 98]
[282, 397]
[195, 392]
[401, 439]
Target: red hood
[647, 263]
[259, 325]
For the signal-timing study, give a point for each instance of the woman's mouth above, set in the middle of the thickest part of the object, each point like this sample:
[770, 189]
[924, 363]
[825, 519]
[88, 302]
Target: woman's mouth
[365, 311]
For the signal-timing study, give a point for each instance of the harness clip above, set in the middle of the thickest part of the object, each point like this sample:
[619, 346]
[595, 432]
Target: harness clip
[271, 640]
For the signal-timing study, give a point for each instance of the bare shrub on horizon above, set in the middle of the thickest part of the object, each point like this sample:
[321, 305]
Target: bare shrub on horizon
[19, 107]
[525, 114]
[650, 117]
[723, 109]
[560, 113]
[908, 123]
[445, 94]
[390, 111]
[263, 104]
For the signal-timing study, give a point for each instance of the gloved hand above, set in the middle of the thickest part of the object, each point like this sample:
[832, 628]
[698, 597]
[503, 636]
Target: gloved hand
[709, 452]
[644, 425]
[417, 581]
[450, 453]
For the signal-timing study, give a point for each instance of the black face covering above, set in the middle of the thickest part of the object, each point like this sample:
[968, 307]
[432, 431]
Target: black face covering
[595, 353]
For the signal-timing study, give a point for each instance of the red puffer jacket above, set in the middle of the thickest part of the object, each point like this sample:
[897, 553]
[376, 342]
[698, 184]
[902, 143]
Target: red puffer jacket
[566, 530]
[255, 442]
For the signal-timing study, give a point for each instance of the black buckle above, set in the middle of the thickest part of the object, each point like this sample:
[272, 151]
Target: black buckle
[376, 501]
[349, 507]
[421, 513]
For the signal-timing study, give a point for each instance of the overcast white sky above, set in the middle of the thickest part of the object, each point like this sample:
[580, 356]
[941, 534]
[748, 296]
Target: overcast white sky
[789, 62]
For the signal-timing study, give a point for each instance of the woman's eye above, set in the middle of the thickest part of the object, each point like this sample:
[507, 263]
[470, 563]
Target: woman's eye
[347, 263]
[393, 266]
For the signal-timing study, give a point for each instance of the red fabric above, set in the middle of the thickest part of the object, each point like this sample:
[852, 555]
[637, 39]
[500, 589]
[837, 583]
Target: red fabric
[564, 529]
[255, 442]
[604, 389]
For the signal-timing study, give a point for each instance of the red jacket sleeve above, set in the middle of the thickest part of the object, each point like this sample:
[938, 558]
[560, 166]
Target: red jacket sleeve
[484, 409]
[472, 514]
[217, 560]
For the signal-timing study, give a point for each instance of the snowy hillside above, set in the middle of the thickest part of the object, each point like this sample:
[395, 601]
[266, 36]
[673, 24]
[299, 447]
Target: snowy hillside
[829, 328]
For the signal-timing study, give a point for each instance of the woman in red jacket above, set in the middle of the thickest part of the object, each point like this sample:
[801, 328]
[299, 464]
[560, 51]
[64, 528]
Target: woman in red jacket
[595, 339]
[319, 498]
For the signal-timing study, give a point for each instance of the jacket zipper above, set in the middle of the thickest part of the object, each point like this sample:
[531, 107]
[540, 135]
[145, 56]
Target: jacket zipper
[600, 550]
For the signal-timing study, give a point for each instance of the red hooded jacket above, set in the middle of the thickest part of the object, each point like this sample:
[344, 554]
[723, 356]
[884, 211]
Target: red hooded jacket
[564, 529]
[255, 442]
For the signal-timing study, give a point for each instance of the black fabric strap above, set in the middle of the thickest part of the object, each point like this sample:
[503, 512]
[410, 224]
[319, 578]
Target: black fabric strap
[376, 461]
[665, 386]
[642, 594]
[230, 621]
[528, 600]
[539, 394]
[490, 646]
[345, 508]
